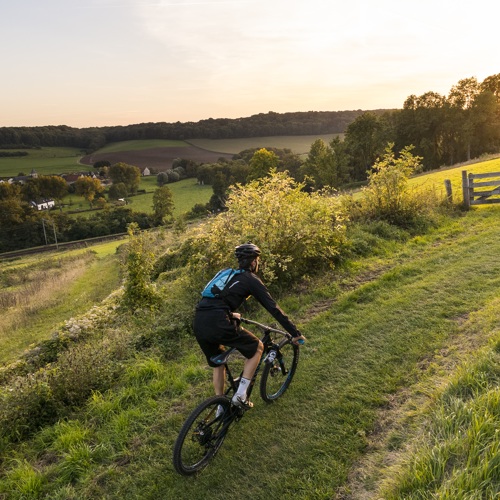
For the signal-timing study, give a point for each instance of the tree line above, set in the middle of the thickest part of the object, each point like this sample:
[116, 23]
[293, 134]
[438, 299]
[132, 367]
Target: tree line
[442, 130]
[263, 124]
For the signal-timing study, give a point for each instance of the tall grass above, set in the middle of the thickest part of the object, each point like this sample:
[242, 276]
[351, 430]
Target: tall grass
[36, 298]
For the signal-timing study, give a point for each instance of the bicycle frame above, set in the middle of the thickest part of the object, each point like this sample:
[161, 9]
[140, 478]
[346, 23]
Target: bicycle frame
[269, 345]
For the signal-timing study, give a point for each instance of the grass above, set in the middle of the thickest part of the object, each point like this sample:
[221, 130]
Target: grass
[435, 181]
[298, 144]
[45, 161]
[186, 194]
[52, 289]
[379, 341]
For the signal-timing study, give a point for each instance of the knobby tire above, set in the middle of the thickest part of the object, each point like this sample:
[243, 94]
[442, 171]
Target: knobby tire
[202, 435]
[277, 376]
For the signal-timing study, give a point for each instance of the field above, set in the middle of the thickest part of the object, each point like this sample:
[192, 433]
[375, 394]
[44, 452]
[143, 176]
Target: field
[435, 180]
[186, 194]
[45, 161]
[298, 144]
[38, 292]
[158, 154]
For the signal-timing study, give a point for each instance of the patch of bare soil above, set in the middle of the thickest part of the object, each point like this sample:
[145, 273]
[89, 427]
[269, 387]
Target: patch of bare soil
[158, 158]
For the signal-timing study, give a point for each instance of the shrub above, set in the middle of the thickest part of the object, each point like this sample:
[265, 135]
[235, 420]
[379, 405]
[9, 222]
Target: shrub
[32, 401]
[298, 233]
[139, 290]
[388, 196]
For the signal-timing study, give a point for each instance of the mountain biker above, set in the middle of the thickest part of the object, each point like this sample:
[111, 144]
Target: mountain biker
[217, 325]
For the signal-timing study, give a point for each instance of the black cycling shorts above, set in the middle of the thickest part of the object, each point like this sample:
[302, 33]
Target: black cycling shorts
[214, 329]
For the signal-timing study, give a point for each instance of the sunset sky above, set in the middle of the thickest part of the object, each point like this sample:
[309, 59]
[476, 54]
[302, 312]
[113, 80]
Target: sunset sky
[117, 62]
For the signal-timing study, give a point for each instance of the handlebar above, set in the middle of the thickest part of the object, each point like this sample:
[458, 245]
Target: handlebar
[268, 328]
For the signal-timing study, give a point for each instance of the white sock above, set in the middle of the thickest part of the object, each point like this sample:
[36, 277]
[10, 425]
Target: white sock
[242, 388]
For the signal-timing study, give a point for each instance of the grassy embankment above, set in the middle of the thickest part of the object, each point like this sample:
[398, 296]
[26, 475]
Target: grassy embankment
[38, 292]
[378, 376]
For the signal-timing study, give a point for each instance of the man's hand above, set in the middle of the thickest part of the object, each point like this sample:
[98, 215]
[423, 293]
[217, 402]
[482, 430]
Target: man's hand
[299, 340]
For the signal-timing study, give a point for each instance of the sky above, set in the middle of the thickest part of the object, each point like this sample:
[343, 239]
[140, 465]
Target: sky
[94, 63]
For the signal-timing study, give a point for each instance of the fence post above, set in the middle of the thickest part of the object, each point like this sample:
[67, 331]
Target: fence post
[465, 189]
[449, 194]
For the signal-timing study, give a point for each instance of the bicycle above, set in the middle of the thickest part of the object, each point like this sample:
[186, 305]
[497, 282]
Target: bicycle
[204, 431]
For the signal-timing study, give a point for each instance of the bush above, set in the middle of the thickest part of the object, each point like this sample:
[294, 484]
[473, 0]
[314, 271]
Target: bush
[32, 401]
[388, 197]
[299, 233]
[140, 292]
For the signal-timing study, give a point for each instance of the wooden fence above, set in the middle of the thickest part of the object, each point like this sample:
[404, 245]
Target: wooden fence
[474, 192]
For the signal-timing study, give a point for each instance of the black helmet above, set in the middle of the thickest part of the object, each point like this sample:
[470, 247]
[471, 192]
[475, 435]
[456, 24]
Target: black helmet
[246, 251]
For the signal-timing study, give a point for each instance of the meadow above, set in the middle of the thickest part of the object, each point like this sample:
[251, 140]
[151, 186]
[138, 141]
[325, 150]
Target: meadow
[298, 144]
[39, 292]
[44, 160]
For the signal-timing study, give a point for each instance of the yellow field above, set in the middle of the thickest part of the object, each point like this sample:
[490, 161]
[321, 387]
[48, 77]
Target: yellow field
[435, 180]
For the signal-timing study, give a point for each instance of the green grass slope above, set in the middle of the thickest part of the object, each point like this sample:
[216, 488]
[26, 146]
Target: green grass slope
[399, 345]
[38, 293]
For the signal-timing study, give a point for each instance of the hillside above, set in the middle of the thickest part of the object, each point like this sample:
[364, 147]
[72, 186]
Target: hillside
[398, 340]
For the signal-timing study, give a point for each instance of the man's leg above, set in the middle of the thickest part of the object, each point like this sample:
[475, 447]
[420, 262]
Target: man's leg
[219, 378]
[248, 371]
[251, 364]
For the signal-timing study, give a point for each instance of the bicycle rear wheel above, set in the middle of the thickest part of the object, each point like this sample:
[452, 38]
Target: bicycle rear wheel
[277, 376]
[202, 435]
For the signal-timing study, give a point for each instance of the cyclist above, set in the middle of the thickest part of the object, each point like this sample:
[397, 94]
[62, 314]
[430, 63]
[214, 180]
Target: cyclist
[216, 324]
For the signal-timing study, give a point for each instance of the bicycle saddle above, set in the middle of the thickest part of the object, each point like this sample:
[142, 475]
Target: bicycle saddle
[221, 359]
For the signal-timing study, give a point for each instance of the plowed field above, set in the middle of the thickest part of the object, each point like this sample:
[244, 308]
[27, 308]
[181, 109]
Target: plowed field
[158, 158]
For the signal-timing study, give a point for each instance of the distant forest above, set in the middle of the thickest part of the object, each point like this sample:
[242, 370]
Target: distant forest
[260, 125]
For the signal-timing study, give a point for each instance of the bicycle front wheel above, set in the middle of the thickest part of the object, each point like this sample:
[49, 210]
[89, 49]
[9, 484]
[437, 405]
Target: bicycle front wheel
[277, 376]
[202, 435]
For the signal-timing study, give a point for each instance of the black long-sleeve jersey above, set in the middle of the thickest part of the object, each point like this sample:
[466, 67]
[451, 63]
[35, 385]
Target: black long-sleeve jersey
[239, 288]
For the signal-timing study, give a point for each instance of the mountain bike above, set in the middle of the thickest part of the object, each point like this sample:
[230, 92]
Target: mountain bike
[204, 431]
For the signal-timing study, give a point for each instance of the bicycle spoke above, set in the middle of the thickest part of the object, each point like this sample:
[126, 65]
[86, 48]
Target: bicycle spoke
[277, 377]
[202, 435]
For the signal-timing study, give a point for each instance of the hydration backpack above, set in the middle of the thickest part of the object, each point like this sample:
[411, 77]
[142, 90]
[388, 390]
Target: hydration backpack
[216, 285]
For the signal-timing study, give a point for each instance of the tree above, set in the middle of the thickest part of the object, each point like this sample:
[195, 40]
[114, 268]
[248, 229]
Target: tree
[53, 186]
[163, 204]
[364, 143]
[162, 178]
[315, 157]
[462, 97]
[262, 163]
[9, 190]
[117, 191]
[128, 174]
[101, 164]
[88, 187]
[492, 84]
[333, 170]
